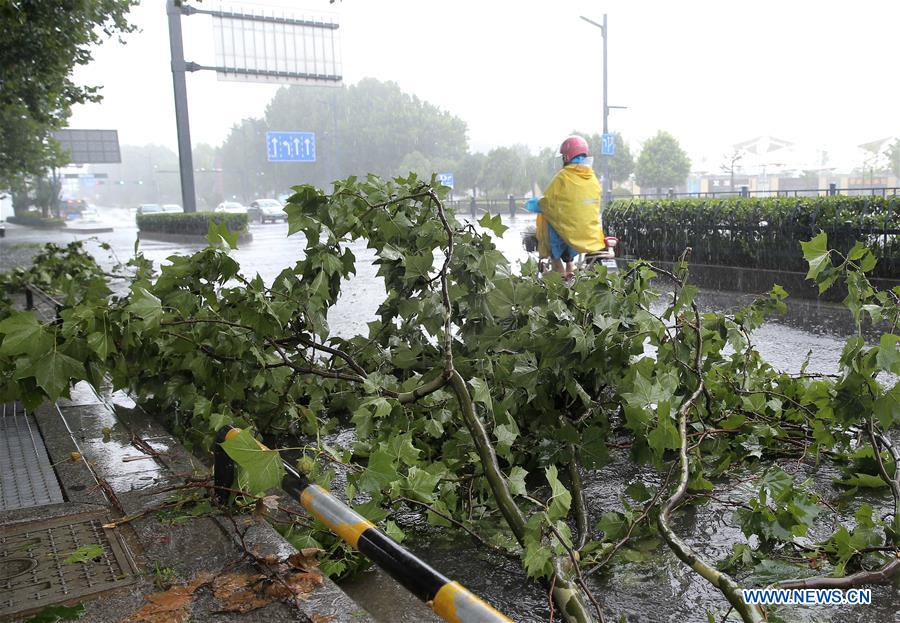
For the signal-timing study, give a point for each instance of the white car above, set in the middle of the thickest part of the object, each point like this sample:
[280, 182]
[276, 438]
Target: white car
[231, 206]
[89, 215]
[149, 208]
[264, 210]
[172, 207]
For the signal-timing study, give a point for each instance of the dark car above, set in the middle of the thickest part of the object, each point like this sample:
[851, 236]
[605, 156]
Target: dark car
[71, 208]
[265, 210]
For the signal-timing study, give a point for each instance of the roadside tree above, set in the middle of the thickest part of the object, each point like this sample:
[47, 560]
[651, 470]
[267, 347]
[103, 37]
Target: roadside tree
[662, 163]
[42, 43]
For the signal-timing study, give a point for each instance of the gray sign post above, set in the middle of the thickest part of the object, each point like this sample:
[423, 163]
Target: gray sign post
[182, 123]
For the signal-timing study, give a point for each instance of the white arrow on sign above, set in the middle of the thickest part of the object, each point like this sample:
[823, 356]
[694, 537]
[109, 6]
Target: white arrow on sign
[296, 145]
[274, 142]
[287, 144]
[307, 146]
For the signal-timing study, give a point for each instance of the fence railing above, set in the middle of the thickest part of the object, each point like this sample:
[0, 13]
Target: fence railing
[514, 205]
[475, 207]
[744, 191]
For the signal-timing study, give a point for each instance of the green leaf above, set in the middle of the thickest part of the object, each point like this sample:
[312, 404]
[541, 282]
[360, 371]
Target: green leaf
[84, 554]
[859, 249]
[494, 223]
[613, 525]
[420, 484]
[261, 467]
[218, 235]
[638, 491]
[560, 499]
[887, 407]
[55, 614]
[517, 481]
[536, 558]
[21, 330]
[379, 474]
[665, 435]
[419, 265]
[434, 428]
[888, 358]
[645, 393]
[867, 481]
[101, 343]
[393, 530]
[481, 392]
[815, 252]
[506, 435]
[53, 372]
[146, 306]
[771, 571]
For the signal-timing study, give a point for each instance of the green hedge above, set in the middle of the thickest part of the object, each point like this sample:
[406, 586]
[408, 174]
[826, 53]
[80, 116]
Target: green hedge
[36, 220]
[191, 224]
[754, 232]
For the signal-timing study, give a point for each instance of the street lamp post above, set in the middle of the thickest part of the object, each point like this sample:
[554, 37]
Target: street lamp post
[607, 183]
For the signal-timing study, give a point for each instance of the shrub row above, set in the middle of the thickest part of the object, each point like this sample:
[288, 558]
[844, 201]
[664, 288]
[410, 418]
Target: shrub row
[196, 223]
[36, 220]
[755, 232]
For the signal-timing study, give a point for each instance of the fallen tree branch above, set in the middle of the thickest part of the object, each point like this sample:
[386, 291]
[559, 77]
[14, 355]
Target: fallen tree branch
[730, 589]
[880, 576]
[894, 483]
[578, 505]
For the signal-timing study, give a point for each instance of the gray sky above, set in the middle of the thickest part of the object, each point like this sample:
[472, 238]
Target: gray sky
[821, 74]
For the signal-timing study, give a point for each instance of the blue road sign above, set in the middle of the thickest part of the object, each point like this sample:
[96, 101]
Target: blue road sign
[291, 146]
[608, 145]
[445, 179]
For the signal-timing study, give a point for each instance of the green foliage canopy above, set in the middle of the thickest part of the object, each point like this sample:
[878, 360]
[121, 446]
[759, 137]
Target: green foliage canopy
[42, 43]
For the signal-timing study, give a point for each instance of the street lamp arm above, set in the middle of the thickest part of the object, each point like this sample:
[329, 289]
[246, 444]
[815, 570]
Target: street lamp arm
[590, 21]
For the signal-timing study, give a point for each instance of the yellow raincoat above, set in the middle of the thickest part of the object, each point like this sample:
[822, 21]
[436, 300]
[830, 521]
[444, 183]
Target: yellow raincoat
[571, 203]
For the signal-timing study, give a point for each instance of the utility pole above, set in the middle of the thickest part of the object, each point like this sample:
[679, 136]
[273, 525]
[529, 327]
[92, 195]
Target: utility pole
[182, 125]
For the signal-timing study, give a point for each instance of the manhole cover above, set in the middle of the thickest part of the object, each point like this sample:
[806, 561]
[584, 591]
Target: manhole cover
[34, 571]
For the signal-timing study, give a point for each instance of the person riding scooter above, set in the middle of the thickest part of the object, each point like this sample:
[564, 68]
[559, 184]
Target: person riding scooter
[569, 220]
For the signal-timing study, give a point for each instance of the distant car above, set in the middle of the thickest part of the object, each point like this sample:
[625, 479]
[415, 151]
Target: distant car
[70, 208]
[264, 210]
[231, 206]
[172, 207]
[149, 208]
[90, 215]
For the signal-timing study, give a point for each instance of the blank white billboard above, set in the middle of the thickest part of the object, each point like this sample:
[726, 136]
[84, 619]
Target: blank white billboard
[276, 47]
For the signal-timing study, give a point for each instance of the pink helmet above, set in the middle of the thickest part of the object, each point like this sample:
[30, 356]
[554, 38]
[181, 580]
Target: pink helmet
[573, 146]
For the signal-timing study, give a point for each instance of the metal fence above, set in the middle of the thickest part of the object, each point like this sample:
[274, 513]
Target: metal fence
[475, 207]
[744, 191]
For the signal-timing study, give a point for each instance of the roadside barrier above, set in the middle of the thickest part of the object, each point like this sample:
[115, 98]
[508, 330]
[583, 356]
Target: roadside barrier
[449, 600]
[31, 290]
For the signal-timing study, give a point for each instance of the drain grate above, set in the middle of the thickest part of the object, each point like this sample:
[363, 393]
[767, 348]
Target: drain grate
[33, 568]
[26, 476]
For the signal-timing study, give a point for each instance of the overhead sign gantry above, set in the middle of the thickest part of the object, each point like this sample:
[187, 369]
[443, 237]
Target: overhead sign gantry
[254, 47]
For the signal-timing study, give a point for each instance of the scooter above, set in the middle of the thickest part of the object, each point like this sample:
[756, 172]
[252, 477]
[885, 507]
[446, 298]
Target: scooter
[606, 257]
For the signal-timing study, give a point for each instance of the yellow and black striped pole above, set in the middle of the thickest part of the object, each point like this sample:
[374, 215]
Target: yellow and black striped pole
[449, 600]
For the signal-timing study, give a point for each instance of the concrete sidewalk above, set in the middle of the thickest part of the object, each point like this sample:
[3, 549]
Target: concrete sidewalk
[110, 476]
